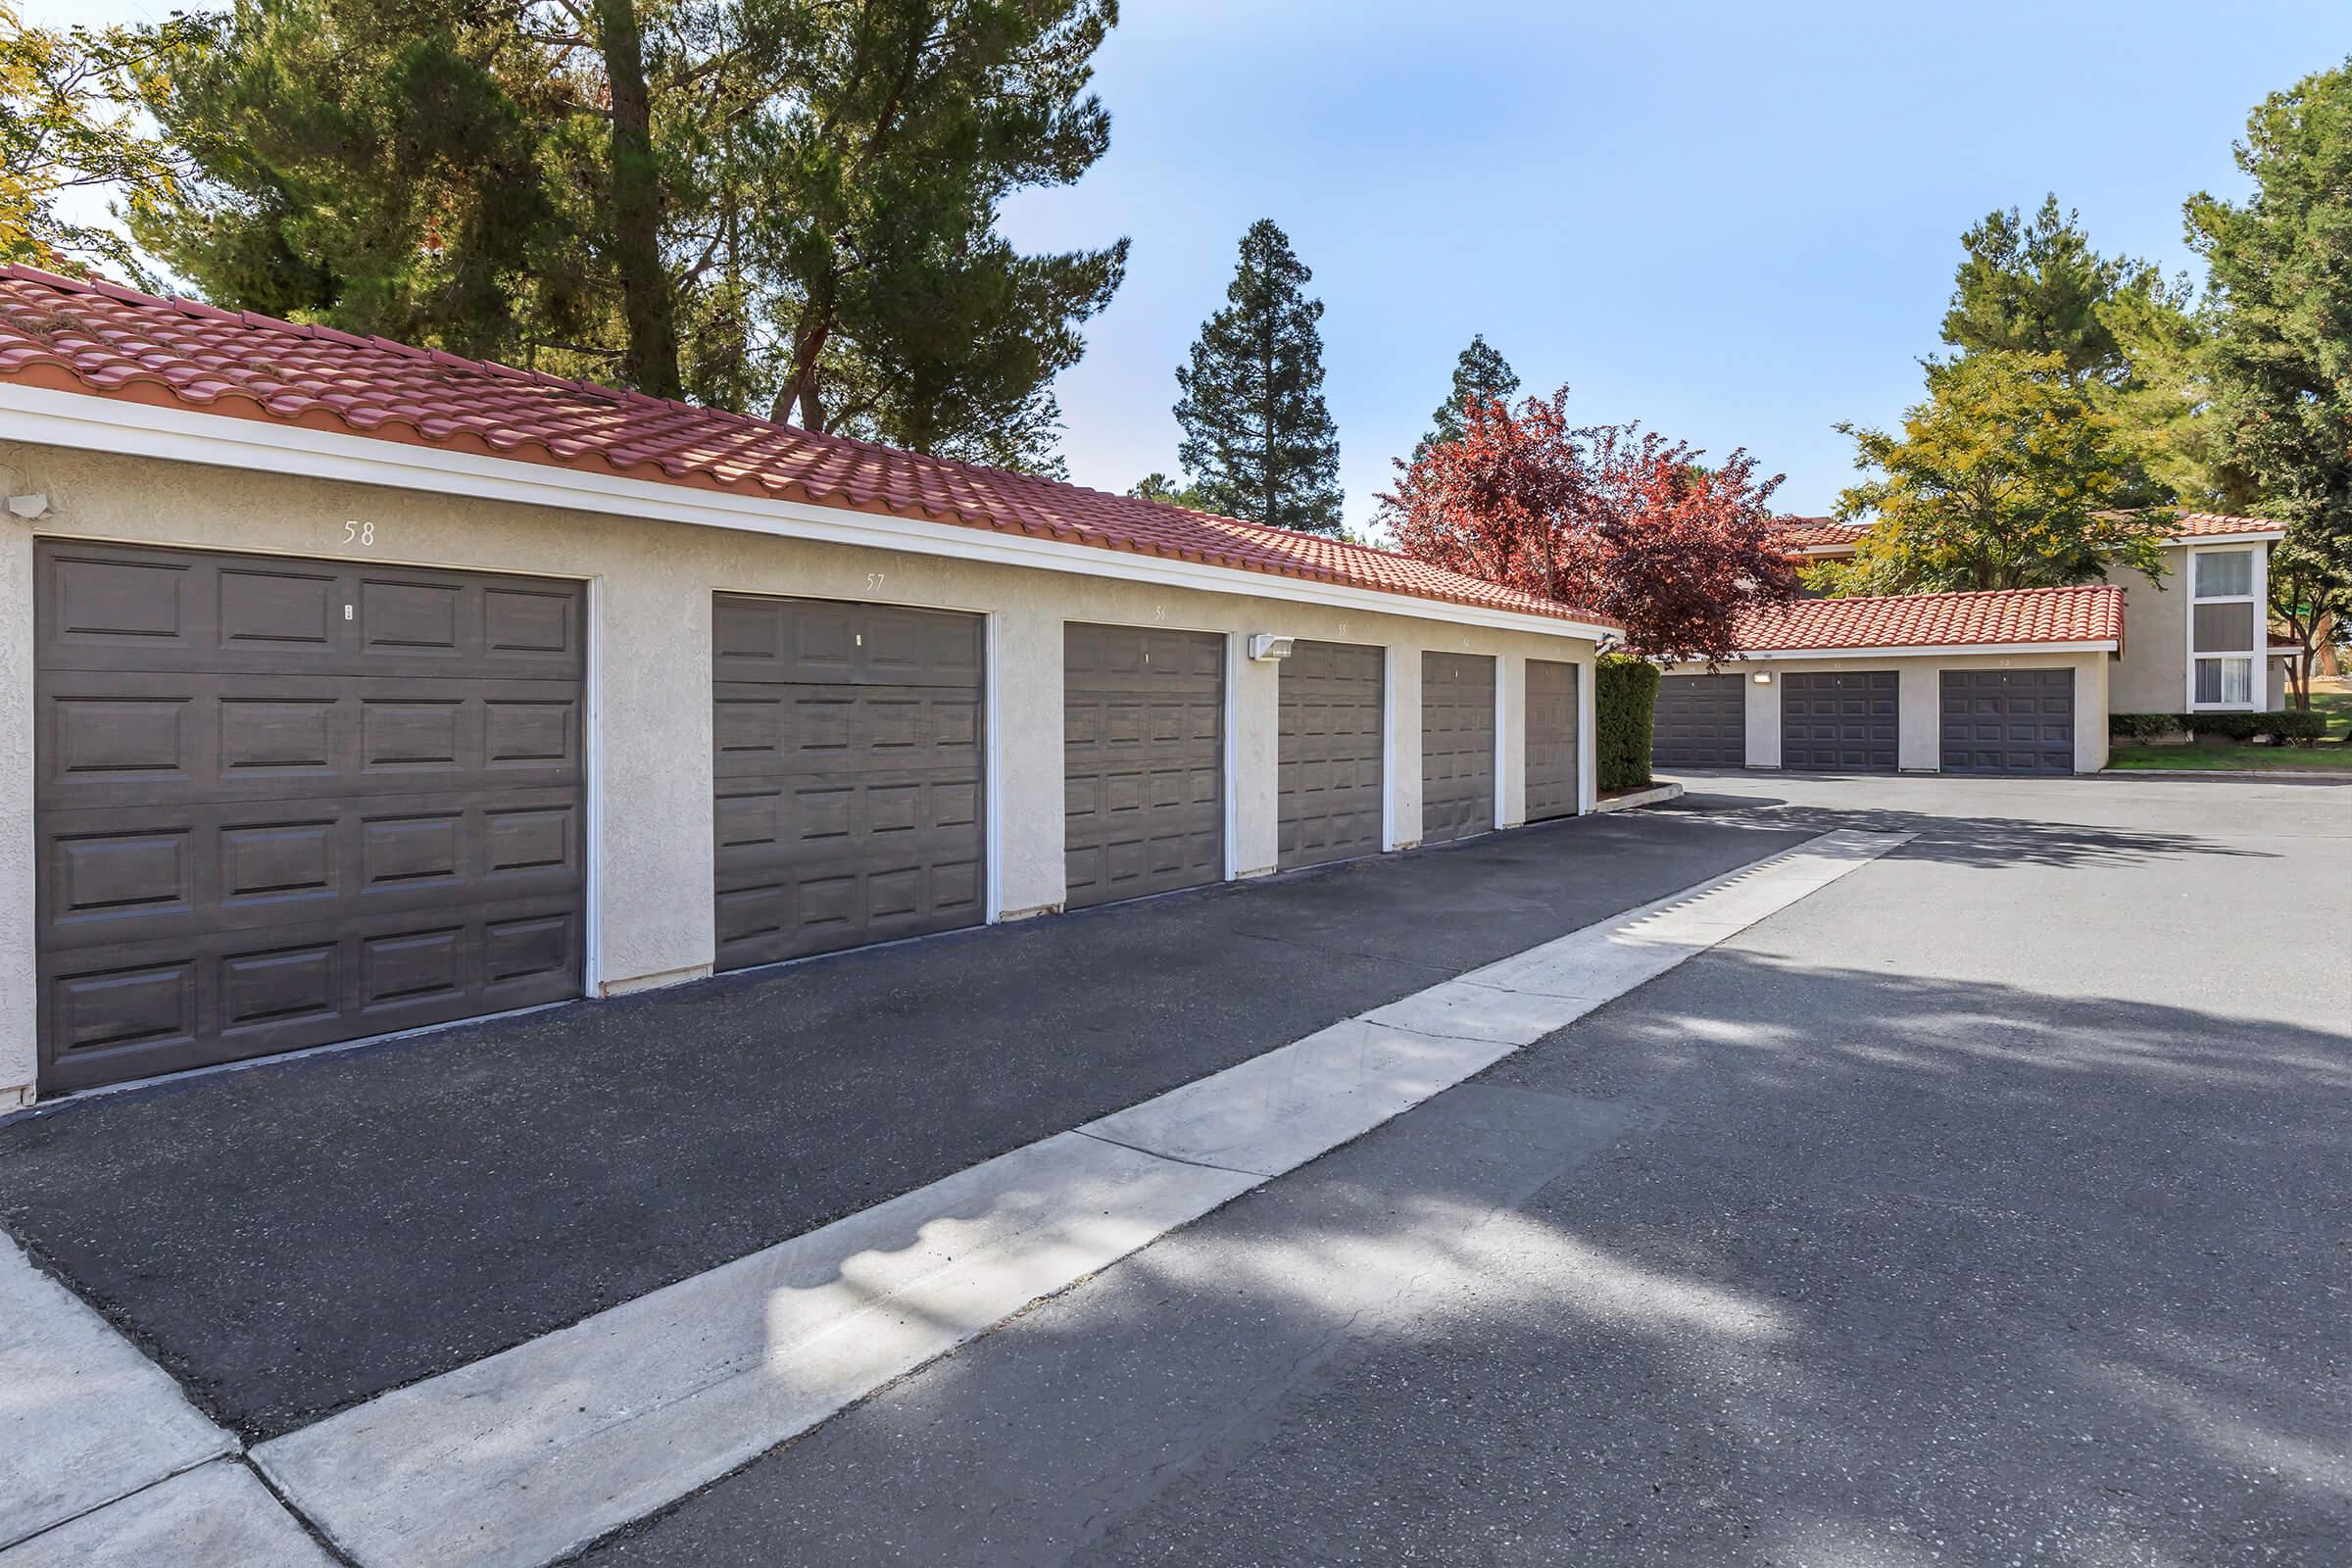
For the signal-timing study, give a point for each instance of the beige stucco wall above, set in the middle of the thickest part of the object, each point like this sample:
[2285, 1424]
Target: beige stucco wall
[649, 652]
[2152, 675]
[1919, 706]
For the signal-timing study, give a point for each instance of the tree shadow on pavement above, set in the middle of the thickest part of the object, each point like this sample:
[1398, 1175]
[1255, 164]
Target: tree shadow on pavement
[1766, 1264]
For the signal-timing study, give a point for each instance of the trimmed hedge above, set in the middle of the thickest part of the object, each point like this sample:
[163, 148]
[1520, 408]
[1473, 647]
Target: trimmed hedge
[1625, 696]
[2287, 724]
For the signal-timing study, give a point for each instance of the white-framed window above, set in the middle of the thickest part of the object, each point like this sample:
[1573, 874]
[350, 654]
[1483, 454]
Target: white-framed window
[2224, 627]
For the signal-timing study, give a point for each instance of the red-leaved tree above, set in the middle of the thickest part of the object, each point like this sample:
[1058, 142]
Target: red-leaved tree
[1612, 517]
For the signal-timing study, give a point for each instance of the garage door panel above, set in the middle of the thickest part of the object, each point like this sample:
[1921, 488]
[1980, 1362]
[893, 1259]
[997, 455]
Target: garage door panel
[1143, 762]
[133, 1009]
[1553, 745]
[2007, 721]
[1457, 745]
[847, 798]
[138, 739]
[1329, 753]
[1841, 721]
[825, 643]
[283, 803]
[764, 731]
[131, 609]
[1699, 721]
[254, 865]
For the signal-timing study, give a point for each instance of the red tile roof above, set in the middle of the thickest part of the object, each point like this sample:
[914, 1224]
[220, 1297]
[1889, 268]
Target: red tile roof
[2212, 525]
[1818, 533]
[1938, 620]
[99, 338]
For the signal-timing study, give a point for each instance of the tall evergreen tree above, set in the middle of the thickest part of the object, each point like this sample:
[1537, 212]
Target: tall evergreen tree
[772, 205]
[2281, 356]
[2036, 287]
[1257, 440]
[1480, 374]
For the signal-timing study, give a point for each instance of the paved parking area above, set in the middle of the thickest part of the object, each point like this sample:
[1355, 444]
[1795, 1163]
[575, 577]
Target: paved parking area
[294, 1238]
[1984, 1208]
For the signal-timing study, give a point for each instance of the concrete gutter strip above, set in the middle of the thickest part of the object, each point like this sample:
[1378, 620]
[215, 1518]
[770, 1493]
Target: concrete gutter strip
[215, 1516]
[85, 1416]
[529, 1454]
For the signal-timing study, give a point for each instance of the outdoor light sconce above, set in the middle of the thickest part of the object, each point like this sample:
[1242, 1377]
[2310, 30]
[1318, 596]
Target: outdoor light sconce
[1763, 677]
[1270, 647]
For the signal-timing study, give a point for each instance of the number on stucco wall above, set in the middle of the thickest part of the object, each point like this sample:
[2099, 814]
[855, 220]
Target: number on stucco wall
[360, 533]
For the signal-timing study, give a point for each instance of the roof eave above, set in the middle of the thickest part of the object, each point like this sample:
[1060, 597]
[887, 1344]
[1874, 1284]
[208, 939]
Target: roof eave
[89, 420]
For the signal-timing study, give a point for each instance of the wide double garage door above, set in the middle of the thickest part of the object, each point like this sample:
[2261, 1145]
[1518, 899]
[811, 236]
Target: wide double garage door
[1841, 721]
[848, 774]
[281, 803]
[2007, 721]
[1699, 721]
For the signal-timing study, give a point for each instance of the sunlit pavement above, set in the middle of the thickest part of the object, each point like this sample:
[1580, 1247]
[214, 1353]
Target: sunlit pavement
[1984, 1208]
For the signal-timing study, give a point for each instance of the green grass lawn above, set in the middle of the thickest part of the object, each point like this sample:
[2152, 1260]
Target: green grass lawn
[2335, 751]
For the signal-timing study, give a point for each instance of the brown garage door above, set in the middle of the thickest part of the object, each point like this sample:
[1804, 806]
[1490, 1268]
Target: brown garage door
[1699, 721]
[282, 803]
[1143, 761]
[847, 767]
[1550, 739]
[1329, 761]
[1457, 745]
[1839, 722]
[2008, 720]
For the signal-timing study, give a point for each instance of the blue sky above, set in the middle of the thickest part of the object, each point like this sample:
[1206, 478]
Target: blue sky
[1735, 222]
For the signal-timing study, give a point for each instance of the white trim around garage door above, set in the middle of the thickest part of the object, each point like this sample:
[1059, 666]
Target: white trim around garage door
[86, 421]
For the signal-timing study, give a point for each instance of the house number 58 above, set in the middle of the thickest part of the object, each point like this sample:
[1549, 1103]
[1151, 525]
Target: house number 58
[359, 533]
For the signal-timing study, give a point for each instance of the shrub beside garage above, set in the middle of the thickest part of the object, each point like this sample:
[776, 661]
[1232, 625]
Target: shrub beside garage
[1625, 695]
[2285, 727]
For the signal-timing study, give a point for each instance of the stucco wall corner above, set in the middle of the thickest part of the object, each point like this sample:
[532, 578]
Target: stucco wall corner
[19, 974]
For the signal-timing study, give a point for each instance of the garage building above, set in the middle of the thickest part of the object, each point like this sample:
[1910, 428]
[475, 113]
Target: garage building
[2005, 683]
[346, 688]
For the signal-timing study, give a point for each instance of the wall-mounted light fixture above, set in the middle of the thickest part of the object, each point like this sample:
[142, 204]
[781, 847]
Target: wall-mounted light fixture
[1763, 677]
[30, 507]
[1268, 647]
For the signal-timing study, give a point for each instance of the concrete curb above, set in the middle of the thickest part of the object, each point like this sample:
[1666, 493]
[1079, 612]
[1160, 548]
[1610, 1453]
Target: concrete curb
[2315, 775]
[1634, 800]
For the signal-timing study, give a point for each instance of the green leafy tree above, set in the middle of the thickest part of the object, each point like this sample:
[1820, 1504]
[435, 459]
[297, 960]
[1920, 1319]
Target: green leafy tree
[2280, 366]
[785, 205]
[2009, 475]
[1258, 438]
[2036, 286]
[66, 127]
[1157, 486]
[1480, 375]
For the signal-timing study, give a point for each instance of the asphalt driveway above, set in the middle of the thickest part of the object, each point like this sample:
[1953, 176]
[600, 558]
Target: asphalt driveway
[1984, 1208]
[292, 1239]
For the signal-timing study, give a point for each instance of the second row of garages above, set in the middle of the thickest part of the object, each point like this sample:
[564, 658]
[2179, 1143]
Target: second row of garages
[2012, 720]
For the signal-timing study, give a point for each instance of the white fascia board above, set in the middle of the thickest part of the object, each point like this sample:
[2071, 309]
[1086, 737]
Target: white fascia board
[2200, 541]
[2104, 644]
[90, 423]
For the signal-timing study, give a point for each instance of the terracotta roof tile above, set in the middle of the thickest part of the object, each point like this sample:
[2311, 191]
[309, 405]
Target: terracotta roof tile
[2093, 614]
[100, 338]
[2212, 524]
[1819, 533]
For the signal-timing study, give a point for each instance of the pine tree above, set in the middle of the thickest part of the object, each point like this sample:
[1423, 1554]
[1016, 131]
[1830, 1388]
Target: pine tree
[1480, 374]
[1257, 439]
